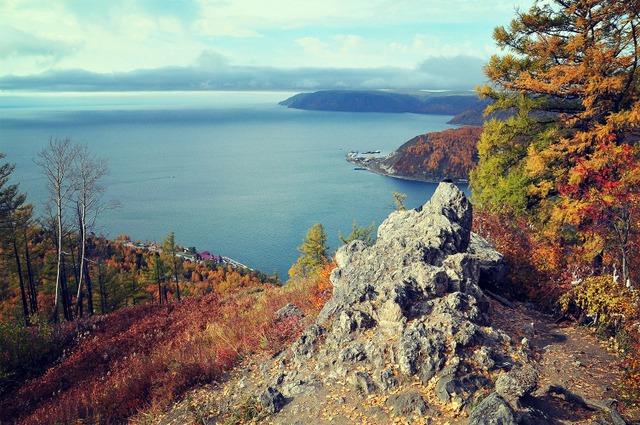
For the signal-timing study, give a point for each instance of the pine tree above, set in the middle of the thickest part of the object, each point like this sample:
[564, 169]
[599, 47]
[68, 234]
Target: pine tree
[14, 215]
[313, 253]
[169, 256]
[362, 233]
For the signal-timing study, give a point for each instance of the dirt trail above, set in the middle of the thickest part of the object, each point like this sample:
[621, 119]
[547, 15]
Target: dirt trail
[568, 355]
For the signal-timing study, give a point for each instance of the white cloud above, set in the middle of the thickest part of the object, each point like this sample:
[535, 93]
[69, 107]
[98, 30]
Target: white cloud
[252, 16]
[423, 45]
[122, 40]
[121, 35]
[356, 51]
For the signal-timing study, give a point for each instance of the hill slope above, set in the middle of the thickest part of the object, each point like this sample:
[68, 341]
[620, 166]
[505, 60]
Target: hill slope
[429, 157]
[409, 333]
[382, 101]
[141, 358]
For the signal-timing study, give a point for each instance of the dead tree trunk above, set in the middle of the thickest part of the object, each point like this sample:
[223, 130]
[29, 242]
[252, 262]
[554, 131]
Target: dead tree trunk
[23, 294]
[33, 294]
[102, 289]
[66, 304]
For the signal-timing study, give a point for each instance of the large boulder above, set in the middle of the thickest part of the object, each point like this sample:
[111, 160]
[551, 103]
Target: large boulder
[272, 400]
[516, 384]
[407, 307]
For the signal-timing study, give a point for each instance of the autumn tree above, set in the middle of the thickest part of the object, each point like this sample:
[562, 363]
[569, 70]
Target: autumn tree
[170, 257]
[313, 253]
[565, 159]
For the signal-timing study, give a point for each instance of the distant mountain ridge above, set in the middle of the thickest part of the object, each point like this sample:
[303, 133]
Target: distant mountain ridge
[384, 101]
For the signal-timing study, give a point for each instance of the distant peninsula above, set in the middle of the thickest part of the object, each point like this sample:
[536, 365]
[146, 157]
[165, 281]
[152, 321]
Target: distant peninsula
[432, 157]
[386, 101]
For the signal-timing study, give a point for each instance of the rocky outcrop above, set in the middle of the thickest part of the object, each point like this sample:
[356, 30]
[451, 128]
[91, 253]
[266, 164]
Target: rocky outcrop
[289, 310]
[410, 308]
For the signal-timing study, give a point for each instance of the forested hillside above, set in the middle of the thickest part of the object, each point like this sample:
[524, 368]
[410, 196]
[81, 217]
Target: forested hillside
[435, 156]
[383, 101]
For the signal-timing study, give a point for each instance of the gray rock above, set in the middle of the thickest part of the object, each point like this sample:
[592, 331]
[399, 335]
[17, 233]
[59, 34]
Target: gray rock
[517, 383]
[408, 404]
[446, 387]
[492, 410]
[363, 383]
[350, 321]
[272, 400]
[484, 358]
[493, 267]
[449, 201]
[408, 304]
[346, 252]
[289, 310]
[430, 368]
[352, 354]
[306, 344]
[387, 379]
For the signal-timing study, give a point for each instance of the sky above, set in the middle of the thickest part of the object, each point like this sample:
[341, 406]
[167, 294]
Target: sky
[247, 44]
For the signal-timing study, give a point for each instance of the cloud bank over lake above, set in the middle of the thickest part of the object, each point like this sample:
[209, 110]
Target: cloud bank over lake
[247, 44]
[459, 73]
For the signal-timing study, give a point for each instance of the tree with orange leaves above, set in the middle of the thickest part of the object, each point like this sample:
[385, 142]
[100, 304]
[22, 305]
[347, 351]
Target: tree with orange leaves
[568, 158]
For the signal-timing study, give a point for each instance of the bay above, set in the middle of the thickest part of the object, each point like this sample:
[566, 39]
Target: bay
[229, 172]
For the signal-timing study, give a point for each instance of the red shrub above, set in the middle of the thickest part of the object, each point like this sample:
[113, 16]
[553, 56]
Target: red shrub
[147, 355]
[537, 267]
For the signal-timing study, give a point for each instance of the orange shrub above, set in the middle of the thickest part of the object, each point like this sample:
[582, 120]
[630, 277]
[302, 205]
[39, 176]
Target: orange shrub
[630, 387]
[537, 268]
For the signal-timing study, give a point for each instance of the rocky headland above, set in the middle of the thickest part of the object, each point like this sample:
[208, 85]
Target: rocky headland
[432, 157]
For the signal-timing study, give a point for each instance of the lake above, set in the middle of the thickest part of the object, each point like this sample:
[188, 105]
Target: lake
[229, 172]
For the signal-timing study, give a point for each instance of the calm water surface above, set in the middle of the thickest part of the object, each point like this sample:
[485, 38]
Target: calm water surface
[233, 173]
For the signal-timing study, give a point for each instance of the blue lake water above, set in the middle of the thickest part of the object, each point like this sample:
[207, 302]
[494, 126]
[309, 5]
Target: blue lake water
[232, 173]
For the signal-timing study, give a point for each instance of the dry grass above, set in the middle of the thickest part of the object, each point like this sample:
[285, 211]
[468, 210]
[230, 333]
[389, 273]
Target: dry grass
[143, 357]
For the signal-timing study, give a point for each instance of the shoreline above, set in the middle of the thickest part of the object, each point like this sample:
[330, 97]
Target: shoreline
[197, 257]
[365, 166]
